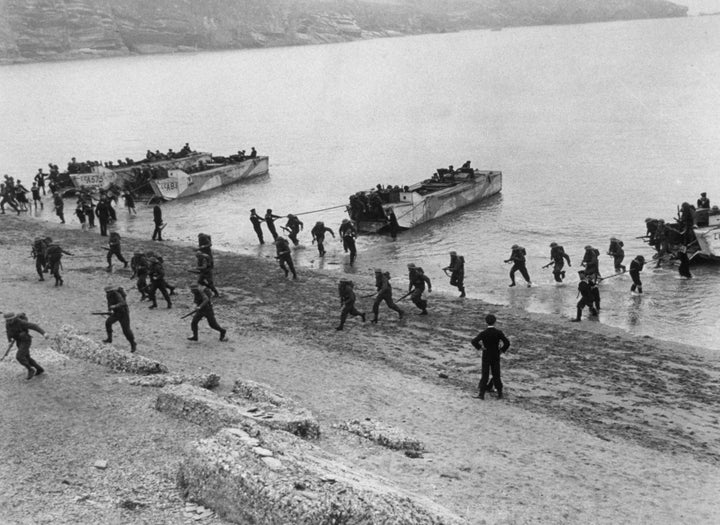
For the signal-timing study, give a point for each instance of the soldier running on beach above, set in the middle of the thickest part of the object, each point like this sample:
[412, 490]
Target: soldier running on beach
[284, 256]
[517, 257]
[347, 301]
[39, 253]
[205, 271]
[384, 288]
[54, 255]
[586, 297]
[140, 267]
[348, 234]
[491, 338]
[59, 207]
[636, 266]
[558, 257]
[156, 272]
[293, 226]
[416, 287]
[257, 221]
[204, 309]
[457, 272]
[318, 234]
[119, 313]
[115, 249]
[18, 329]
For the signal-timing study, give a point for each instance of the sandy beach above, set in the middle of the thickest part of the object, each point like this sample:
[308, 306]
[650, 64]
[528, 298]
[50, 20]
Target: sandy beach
[597, 426]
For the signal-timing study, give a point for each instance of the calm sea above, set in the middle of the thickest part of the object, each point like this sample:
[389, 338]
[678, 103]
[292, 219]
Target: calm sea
[595, 128]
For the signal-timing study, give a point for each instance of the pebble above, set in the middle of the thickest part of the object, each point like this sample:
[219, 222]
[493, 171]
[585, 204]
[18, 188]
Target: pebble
[262, 451]
[101, 464]
[272, 463]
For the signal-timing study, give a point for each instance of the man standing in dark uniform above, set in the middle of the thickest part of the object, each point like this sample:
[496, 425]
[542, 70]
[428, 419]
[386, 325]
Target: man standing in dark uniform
[347, 301]
[418, 279]
[491, 338]
[102, 211]
[257, 222]
[204, 309]
[348, 234]
[586, 297]
[18, 328]
[119, 313]
[270, 223]
[384, 288]
[636, 266]
[517, 257]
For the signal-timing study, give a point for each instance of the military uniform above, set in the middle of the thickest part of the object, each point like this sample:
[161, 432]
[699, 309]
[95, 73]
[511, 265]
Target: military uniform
[203, 302]
[18, 329]
[115, 249]
[119, 313]
[382, 284]
[284, 256]
[347, 301]
[418, 279]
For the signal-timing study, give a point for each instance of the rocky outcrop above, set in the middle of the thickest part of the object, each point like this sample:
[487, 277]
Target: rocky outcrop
[32, 30]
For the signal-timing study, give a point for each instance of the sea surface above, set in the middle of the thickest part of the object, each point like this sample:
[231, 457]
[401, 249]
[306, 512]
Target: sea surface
[595, 127]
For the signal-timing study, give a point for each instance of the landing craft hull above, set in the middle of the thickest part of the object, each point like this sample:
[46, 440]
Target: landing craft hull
[709, 242]
[180, 184]
[427, 201]
[101, 178]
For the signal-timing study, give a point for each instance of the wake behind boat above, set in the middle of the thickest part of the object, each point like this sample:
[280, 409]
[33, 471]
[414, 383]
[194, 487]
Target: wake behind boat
[376, 211]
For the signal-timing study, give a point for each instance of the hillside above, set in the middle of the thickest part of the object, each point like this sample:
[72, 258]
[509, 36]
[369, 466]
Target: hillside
[36, 30]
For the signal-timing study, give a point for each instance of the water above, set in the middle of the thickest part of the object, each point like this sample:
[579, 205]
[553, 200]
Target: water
[595, 127]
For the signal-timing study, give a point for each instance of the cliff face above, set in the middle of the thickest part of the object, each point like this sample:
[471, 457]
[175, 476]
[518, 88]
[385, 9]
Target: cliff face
[32, 30]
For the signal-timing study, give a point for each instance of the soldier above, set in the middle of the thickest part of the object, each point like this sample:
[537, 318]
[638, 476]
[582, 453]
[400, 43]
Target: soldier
[392, 223]
[204, 309]
[591, 262]
[684, 268]
[557, 259]
[348, 234]
[59, 207]
[115, 249]
[270, 223]
[293, 227]
[617, 253]
[416, 286]
[457, 272]
[491, 338]
[205, 246]
[80, 214]
[205, 271]
[156, 272]
[35, 190]
[54, 255]
[119, 313]
[102, 211]
[347, 301]
[89, 210]
[7, 196]
[586, 296]
[284, 257]
[129, 202]
[517, 257]
[140, 267]
[384, 288]
[318, 235]
[40, 180]
[18, 329]
[158, 221]
[636, 266]
[257, 221]
[39, 253]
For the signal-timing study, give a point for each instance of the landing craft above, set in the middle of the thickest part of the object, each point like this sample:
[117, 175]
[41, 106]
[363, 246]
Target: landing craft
[424, 201]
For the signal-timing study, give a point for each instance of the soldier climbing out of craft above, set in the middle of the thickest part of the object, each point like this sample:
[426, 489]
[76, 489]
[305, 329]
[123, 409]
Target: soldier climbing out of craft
[18, 329]
[318, 235]
[119, 313]
[517, 257]
[203, 309]
[347, 302]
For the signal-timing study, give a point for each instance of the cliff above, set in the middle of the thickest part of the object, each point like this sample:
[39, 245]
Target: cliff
[34, 30]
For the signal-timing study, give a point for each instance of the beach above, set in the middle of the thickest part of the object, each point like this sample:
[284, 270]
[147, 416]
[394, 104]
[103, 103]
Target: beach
[597, 426]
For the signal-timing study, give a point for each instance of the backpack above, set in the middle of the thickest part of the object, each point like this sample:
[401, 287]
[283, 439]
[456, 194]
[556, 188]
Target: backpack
[114, 238]
[344, 286]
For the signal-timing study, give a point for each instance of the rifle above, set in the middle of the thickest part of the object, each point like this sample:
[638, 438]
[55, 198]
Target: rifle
[100, 313]
[8, 350]
[610, 276]
[406, 295]
[369, 295]
[194, 271]
[189, 314]
[549, 264]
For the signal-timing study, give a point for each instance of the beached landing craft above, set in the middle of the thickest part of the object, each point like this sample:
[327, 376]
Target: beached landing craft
[220, 172]
[708, 237]
[133, 176]
[423, 201]
[704, 245]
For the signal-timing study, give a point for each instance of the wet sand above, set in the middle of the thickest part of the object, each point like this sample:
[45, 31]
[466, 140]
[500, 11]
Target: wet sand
[597, 426]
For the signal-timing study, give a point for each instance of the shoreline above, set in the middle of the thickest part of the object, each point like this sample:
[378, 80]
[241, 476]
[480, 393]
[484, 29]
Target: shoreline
[595, 419]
